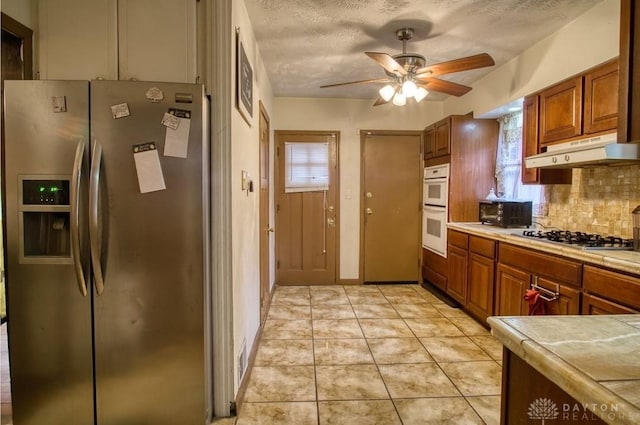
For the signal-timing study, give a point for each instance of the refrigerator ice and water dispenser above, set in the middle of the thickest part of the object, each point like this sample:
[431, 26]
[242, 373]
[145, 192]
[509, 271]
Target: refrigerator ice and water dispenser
[45, 215]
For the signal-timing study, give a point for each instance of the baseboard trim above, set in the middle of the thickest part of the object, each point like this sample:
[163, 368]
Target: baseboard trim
[350, 282]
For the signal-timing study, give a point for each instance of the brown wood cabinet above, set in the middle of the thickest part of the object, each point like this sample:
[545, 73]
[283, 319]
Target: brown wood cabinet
[480, 277]
[437, 139]
[429, 142]
[522, 385]
[471, 273]
[601, 98]
[435, 269]
[610, 292]
[519, 269]
[561, 111]
[586, 104]
[629, 89]
[530, 146]
[457, 256]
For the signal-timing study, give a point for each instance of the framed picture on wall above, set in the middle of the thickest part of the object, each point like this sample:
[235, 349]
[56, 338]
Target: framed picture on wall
[244, 81]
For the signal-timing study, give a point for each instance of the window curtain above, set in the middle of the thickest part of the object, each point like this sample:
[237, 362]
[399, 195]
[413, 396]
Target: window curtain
[509, 163]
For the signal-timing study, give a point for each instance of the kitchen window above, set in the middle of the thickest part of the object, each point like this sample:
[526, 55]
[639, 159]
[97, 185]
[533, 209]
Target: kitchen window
[509, 164]
[306, 166]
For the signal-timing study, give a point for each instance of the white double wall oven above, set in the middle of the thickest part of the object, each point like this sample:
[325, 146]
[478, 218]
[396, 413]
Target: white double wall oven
[435, 209]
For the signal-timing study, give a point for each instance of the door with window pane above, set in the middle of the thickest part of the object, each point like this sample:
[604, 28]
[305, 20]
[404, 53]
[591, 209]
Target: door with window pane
[306, 207]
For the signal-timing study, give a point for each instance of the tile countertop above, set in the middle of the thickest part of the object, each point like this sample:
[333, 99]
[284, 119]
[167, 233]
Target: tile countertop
[626, 261]
[595, 359]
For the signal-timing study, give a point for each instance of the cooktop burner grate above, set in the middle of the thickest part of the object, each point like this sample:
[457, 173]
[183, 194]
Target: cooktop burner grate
[583, 240]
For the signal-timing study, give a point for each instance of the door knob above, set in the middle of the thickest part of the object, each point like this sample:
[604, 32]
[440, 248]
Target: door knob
[369, 211]
[369, 195]
[331, 221]
[330, 208]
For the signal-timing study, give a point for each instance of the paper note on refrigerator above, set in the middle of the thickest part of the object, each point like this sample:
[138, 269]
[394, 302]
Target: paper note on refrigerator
[148, 168]
[176, 142]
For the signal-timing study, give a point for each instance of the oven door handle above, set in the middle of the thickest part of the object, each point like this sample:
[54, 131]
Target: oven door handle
[436, 180]
[435, 209]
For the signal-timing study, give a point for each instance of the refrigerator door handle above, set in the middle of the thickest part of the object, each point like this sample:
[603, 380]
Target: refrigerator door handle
[94, 230]
[76, 180]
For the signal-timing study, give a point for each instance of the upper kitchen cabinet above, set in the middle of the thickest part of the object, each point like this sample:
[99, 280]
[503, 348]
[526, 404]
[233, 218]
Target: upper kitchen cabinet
[561, 111]
[601, 98]
[584, 105]
[437, 139]
[530, 146]
[151, 40]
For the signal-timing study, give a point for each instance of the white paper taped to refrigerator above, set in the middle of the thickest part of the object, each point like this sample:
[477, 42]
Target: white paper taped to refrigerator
[176, 142]
[148, 168]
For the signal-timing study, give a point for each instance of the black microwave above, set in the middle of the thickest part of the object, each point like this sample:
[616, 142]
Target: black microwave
[505, 213]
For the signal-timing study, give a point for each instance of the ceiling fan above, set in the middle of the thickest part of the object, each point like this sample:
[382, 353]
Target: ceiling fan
[407, 75]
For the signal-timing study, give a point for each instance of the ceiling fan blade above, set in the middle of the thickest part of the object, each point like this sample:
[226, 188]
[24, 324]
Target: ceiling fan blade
[387, 62]
[380, 101]
[457, 65]
[444, 86]
[372, 80]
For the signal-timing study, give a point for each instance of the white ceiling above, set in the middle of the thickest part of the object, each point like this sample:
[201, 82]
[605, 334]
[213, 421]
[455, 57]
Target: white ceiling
[308, 43]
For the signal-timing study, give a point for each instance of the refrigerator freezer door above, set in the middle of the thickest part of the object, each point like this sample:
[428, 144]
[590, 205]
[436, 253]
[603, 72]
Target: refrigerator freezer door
[149, 320]
[50, 344]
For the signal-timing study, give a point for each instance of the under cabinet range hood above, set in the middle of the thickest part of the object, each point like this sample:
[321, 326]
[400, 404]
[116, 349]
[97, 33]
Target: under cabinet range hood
[598, 150]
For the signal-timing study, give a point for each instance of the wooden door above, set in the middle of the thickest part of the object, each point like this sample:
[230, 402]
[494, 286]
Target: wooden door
[265, 227]
[391, 182]
[306, 222]
[511, 286]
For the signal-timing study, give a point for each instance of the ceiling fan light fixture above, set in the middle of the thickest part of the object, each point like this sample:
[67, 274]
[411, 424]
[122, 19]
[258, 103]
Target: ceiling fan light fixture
[399, 99]
[387, 92]
[409, 88]
[421, 93]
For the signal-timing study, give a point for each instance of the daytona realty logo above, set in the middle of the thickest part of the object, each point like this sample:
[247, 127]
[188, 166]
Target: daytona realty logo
[545, 409]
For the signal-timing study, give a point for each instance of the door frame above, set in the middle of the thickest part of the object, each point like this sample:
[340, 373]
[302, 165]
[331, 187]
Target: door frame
[363, 135]
[277, 180]
[265, 217]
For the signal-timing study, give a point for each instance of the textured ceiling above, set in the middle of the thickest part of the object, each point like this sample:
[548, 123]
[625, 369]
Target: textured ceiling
[308, 43]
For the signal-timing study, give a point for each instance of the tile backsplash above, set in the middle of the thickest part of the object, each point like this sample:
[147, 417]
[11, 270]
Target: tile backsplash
[600, 200]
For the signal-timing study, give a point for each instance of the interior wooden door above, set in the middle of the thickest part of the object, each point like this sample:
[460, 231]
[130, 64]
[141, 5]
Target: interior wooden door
[391, 173]
[265, 227]
[306, 221]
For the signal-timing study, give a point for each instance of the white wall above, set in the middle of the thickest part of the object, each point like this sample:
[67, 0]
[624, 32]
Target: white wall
[245, 206]
[20, 10]
[589, 40]
[347, 117]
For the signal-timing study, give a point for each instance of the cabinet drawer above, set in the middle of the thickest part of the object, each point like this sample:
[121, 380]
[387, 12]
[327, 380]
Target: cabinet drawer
[614, 286]
[459, 239]
[482, 246]
[596, 305]
[541, 264]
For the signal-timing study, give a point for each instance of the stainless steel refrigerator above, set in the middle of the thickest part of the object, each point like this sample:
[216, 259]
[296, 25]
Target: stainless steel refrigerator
[106, 197]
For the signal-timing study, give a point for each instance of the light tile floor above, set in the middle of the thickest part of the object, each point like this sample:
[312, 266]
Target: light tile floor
[386, 354]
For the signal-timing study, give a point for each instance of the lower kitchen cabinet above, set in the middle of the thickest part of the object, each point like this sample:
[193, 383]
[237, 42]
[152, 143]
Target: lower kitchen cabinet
[480, 286]
[596, 305]
[520, 269]
[511, 286]
[608, 292]
[435, 269]
[458, 257]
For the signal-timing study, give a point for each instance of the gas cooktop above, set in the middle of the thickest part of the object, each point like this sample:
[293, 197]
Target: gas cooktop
[580, 240]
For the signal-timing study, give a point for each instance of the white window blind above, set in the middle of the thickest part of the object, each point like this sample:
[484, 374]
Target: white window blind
[306, 166]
